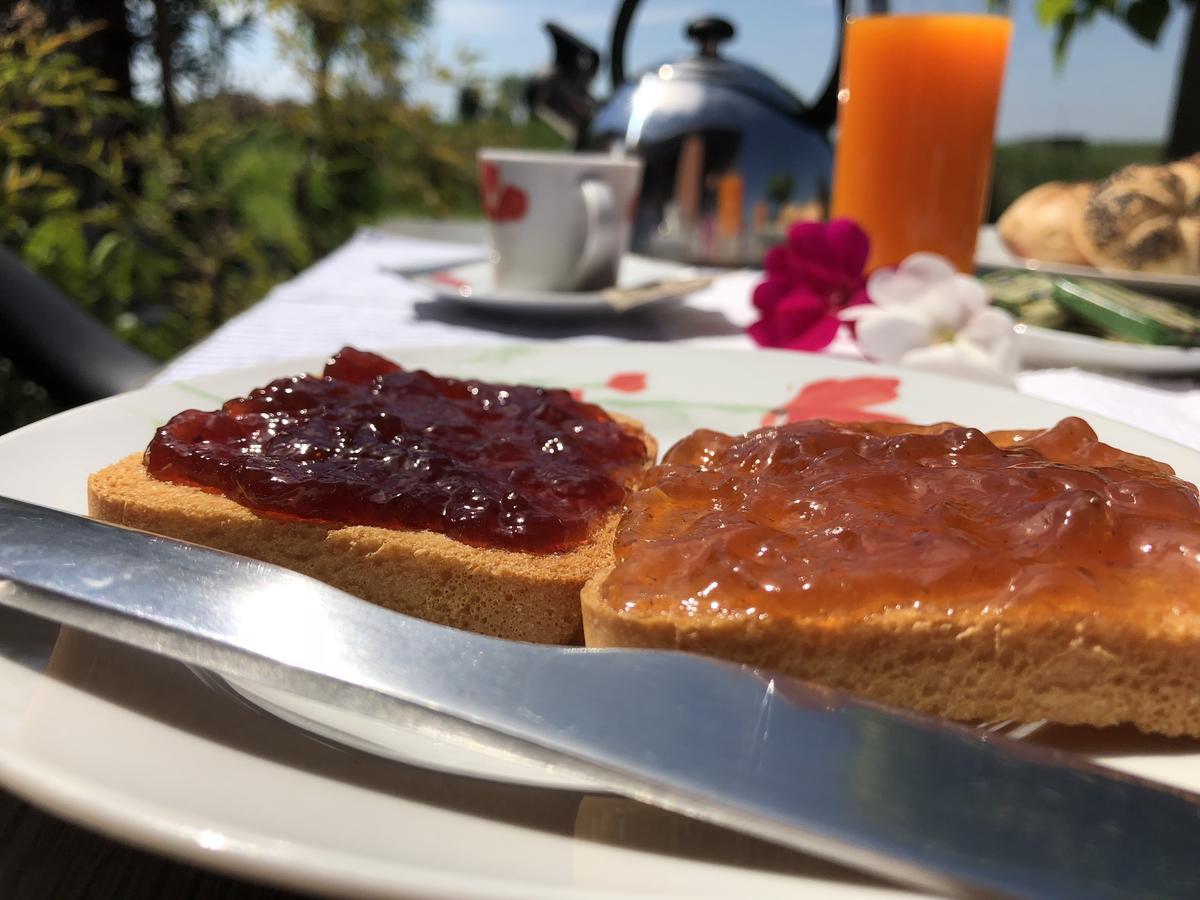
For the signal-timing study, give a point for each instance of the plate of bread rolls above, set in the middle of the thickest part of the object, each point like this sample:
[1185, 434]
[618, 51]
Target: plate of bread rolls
[1139, 227]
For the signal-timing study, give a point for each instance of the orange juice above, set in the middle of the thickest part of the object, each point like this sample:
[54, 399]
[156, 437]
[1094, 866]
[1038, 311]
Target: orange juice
[916, 117]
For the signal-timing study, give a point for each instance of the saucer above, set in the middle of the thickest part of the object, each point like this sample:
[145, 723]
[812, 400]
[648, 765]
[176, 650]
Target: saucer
[642, 282]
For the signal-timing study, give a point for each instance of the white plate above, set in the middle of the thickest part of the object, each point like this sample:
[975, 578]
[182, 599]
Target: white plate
[1046, 348]
[146, 751]
[991, 253]
[381, 739]
[473, 284]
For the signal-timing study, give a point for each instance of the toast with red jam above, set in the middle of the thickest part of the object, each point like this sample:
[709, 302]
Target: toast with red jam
[481, 506]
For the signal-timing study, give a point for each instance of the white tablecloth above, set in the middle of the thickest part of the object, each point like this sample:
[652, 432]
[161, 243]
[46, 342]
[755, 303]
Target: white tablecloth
[356, 296]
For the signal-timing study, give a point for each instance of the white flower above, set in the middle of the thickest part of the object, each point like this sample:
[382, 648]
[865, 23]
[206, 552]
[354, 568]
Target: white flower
[928, 316]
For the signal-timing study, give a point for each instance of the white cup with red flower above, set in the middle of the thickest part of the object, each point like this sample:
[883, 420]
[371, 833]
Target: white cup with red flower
[558, 221]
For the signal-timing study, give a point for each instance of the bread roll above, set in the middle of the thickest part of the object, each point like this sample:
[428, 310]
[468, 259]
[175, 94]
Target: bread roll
[1188, 171]
[1041, 223]
[1145, 219]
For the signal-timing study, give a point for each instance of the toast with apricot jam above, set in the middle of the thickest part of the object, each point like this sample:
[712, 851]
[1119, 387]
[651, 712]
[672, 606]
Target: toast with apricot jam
[1015, 576]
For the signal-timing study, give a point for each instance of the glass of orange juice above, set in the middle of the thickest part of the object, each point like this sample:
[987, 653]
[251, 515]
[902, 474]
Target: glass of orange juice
[916, 119]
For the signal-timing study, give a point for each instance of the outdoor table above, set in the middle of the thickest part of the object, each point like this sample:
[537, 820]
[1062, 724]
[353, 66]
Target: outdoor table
[357, 296]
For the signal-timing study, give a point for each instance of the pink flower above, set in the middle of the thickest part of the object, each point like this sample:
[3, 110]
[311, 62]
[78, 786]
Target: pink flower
[809, 280]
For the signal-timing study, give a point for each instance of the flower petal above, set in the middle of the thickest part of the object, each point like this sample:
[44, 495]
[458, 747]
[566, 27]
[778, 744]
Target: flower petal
[762, 333]
[891, 287]
[799, 310]
[999, 367]
[817, 336]
[768, 293]
[848, 245]
[958, 359]
[943, 305]
[885, 335]
[971, 291]
[856, 311]
[928, 267]
[783, 293]
[991, 331]
[809, 241]
[777, 261]
[990, 327]
[916, 276]
[788, 320]
[858, 297]
[813, 261]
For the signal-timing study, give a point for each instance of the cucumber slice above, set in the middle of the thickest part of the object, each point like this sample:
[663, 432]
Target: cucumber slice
[1128, 315]
[1028, 296]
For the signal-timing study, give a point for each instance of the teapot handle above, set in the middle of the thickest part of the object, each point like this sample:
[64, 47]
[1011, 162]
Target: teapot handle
[821, 115]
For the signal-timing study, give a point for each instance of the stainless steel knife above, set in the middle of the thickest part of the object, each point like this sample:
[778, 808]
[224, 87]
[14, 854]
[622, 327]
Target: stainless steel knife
[914, 799]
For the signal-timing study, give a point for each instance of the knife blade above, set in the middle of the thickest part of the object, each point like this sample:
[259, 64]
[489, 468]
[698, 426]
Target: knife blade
[914, 799]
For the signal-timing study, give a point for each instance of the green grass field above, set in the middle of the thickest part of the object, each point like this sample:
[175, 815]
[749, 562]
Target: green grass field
[1018, 167]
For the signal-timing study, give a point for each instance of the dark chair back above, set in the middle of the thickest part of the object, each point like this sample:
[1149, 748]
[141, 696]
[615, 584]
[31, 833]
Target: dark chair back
[55, 343]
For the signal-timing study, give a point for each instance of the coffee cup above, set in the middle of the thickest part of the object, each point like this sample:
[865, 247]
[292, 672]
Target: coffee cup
[558, 221]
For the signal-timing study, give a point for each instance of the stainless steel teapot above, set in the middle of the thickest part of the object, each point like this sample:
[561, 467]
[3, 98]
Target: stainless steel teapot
[732, 158]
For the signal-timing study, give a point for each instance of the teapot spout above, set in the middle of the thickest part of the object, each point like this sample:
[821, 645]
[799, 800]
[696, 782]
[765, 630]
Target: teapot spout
[558, 94]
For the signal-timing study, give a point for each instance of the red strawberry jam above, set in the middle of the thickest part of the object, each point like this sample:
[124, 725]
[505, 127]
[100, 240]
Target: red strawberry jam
[367, 443]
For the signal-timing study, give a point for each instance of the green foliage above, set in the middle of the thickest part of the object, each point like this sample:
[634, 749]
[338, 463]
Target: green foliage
[146, 236]
[165, 238]
[366, 39]
[1019, 167]
[199, 36]
[1145, 18]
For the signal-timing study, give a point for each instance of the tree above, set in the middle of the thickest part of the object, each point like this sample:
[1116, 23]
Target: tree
[470, 103]
[353, 53]
[1185, 127]
[108, 50]
[367, 39]
[218, 29]
[1145, 18]
[510, 98]
[189, 40]
[164, 258]
[170, 23]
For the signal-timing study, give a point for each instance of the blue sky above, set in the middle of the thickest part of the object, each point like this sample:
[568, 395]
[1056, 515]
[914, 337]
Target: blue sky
[1112, 86]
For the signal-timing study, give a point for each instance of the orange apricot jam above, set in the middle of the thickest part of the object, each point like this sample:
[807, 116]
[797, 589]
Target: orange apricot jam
[816, 518]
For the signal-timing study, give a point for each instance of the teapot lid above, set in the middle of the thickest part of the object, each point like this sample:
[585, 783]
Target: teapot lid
[710, 67]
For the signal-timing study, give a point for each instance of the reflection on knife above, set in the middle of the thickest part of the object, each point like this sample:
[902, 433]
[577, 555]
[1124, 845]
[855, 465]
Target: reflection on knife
[914, 799]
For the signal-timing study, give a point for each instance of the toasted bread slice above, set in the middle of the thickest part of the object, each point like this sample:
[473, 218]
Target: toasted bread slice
[502, 592]
[1078, 631]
